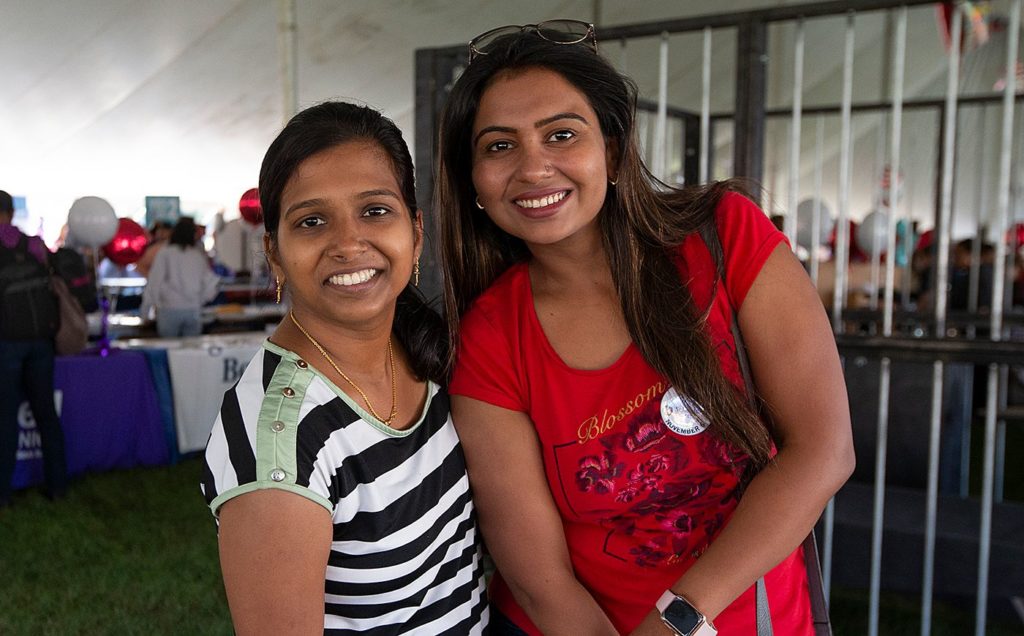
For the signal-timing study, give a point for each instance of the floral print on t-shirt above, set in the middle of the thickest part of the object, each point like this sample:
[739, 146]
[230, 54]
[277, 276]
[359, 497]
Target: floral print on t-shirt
[661, 492]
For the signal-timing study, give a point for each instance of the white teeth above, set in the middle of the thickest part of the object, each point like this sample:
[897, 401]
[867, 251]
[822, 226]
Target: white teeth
[543, 201]
[346, 280]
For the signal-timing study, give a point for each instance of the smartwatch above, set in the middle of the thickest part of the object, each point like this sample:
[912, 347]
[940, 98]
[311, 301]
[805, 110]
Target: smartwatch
[683, 618]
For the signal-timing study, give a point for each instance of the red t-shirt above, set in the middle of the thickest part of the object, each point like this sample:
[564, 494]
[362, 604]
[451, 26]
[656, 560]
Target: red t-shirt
[641, 488]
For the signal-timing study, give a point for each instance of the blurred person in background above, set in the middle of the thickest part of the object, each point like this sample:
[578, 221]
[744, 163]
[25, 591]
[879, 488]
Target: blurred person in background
[160, 234]
[180, 282]
[28, 321]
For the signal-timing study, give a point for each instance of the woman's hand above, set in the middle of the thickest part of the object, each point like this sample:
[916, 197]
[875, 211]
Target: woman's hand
[519, 520]
[274, 547]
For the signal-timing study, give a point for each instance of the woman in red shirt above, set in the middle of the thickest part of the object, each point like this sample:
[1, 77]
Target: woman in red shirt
[596, 389]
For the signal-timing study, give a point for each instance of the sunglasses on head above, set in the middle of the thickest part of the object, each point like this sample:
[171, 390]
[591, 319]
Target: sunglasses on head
[554, 31]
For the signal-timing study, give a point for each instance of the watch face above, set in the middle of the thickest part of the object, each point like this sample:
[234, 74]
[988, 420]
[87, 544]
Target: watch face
[682, 616]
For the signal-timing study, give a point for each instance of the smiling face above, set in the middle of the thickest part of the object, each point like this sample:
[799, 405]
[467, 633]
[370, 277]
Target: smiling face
[540, 162]
[346, 241]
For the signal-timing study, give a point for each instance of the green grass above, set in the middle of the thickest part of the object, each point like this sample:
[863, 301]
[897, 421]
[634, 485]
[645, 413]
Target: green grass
[135, 552]
[130, 552]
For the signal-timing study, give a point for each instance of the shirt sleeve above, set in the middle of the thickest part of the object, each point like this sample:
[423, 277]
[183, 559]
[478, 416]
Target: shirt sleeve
[38, 250]
[211, 281]
[151, 292]
[484, 369]
[263, 439]
[748, 238]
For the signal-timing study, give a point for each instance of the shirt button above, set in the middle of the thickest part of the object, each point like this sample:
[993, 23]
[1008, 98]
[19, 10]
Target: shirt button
[288, 391]
[301, 364]
[277, 474]
[277, 426]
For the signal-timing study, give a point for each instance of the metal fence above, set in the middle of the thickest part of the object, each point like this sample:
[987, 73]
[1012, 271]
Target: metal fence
[934, 137]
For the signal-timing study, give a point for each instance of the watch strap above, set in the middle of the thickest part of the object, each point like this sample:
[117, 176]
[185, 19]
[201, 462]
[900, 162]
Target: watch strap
[663, 602]
[704, 628]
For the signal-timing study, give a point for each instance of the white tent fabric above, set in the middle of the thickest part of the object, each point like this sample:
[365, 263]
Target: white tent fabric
[128, 98]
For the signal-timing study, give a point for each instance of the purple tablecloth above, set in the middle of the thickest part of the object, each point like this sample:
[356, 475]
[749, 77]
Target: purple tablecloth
[109, 413]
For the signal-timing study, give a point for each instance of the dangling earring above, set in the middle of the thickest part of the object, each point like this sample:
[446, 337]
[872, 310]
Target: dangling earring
[416, 272]
[478, 203]
[614, 182]
[279, 287]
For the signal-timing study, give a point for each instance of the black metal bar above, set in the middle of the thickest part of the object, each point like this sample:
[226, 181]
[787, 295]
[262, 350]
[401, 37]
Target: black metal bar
[955, 319]
[424, 127]
[930, 349]
[751, 62]
[868, 107]
[1012, 415]
[691, 149]
[652, 107]
[763, 16]
[435, 69]
[735, 19]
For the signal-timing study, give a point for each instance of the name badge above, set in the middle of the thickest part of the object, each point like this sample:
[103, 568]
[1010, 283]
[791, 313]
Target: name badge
[681, 414]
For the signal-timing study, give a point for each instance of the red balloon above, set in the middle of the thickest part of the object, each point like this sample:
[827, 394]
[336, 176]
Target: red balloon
[250, 208]
[128, 243]
[856, 254]
[1015, 235]
[925, 240]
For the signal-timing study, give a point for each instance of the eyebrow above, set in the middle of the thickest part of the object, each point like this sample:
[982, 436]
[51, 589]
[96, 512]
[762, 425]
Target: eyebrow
[308, 203]
[538, 124]
[314, 203]
[381, 192]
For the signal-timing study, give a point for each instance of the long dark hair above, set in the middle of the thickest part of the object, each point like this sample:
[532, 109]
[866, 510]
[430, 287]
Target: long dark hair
[642, 222]
[184, 233]
[417, 326]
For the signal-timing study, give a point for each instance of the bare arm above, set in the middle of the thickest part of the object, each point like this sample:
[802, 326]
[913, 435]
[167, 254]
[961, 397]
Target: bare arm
[796, 369]
[274, 547]
[519, 519]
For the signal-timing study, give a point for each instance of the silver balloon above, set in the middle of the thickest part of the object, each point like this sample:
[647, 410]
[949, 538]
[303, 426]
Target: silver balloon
[873, 233]
[91, 221]
[805, 224]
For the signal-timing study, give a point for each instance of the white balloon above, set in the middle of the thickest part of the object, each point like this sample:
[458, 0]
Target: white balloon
[805, 224]
[873, 233]
[91, 221]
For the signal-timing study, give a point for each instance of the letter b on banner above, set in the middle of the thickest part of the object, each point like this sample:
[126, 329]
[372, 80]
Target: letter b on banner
[233, 370]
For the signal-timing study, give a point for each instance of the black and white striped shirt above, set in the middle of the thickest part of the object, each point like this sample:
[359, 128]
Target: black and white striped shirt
[404, 556]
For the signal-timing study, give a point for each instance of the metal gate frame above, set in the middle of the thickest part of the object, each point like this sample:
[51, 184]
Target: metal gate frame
[436, 69]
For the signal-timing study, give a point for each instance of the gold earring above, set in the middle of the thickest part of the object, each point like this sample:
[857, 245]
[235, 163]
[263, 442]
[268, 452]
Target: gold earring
[478, 203]
[416, 272]
[279, 286]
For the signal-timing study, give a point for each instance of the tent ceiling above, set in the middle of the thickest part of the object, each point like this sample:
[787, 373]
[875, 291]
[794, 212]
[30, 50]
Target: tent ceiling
[125, 98]
[128, 98]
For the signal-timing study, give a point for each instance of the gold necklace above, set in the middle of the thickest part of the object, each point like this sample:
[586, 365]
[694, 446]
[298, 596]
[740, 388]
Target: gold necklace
[391, 361]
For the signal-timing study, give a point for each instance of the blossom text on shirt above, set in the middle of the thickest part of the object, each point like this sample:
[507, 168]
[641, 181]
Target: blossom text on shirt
[594, 426]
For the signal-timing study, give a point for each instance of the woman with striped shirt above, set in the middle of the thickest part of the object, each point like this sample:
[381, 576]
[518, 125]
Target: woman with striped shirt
[333, 468]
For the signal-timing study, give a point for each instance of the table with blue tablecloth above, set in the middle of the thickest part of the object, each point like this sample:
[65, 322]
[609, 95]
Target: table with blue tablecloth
[198, 370]
[146, 403]
[109, 412]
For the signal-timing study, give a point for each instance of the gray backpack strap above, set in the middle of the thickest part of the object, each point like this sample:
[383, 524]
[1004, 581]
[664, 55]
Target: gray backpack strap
[819, 606]
[764, 615]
